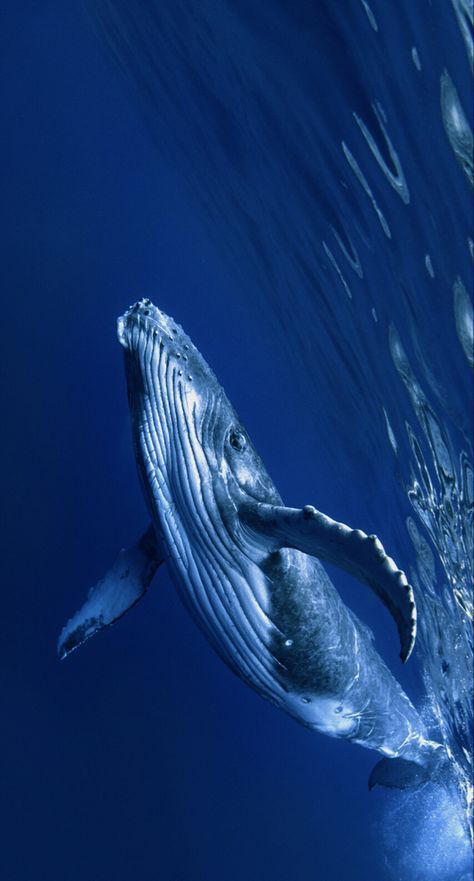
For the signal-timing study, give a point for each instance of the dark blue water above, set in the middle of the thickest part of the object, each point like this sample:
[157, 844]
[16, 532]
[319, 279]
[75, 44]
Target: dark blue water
[290, 181]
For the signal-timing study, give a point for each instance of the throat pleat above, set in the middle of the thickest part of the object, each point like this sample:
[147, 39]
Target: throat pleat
[178, 453]
[222, 582]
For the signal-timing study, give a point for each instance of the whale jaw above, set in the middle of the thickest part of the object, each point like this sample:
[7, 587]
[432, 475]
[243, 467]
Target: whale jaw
[121, 336]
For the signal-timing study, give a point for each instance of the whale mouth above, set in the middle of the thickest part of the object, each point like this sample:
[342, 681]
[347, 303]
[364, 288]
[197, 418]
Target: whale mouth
[143, 327]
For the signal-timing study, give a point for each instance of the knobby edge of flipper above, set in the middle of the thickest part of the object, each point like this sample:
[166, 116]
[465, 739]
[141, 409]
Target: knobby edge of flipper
[119, 590]
[361, 555]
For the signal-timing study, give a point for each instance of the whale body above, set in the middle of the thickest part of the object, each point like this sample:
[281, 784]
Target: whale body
[248, 568]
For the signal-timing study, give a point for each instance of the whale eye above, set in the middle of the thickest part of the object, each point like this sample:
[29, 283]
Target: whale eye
[237, 440]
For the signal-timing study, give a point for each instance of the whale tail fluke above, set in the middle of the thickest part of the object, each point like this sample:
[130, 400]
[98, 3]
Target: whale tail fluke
[401, 773]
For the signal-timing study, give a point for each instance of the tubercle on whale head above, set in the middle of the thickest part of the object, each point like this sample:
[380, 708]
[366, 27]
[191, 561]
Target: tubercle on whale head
[189, 406]
[144, 326]
[145, 314]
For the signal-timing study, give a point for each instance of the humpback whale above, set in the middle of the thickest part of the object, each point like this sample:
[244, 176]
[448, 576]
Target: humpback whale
[249, 569]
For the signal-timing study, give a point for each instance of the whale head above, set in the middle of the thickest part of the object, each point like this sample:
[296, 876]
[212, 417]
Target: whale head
[193, 454]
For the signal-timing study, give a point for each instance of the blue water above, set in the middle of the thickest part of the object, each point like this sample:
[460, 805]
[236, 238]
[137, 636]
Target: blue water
[290, 181]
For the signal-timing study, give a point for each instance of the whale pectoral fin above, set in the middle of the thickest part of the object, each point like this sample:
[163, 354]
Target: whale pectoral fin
[361, 555]
[120, 589]
[398, 774]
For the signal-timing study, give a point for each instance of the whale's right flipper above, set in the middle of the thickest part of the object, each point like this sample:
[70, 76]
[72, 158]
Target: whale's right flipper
[361, 555]
[120, 589]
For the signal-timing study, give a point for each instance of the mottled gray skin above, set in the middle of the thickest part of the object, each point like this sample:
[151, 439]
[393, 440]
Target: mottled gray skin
[271, 613]
[332, 661]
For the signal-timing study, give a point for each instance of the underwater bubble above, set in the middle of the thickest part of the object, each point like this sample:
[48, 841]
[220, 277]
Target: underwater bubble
[465, 15]
[395, 178]
[365, 185]
[456, 126]
[438, 444]
[335, 265]
[424, 554]
[391, 436]
[353, 257]
[429, 266]
[402, 364]
[467, 479]
[464, 319]
[370, 15]
[415, 58]
[435, 834]
[288, 642]
[398, 353]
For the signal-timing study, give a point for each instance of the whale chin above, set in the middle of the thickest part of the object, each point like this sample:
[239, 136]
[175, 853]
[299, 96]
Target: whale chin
[121, 334]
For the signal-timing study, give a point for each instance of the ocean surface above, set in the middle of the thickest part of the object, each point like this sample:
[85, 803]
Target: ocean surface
[292, 182]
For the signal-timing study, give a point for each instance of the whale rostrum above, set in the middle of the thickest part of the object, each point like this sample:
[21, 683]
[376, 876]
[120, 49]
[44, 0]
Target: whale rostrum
[250, 569]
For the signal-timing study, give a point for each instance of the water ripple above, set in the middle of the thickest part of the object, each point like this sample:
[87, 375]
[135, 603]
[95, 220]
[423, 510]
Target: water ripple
[364, 183]
[456, 126]
[396, 180]
[464, 319]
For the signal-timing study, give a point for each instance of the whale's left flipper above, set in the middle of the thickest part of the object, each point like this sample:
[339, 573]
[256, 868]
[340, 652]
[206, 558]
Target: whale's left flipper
[120, 588]
[361, 555]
